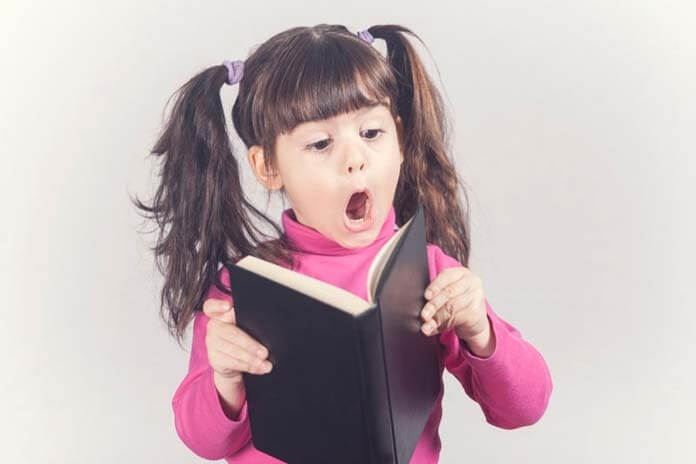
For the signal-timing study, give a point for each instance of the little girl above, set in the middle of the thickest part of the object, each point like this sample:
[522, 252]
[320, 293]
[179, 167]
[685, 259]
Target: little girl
[354, 140]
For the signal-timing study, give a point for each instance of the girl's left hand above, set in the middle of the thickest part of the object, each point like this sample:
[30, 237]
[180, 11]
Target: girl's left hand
[456, 301]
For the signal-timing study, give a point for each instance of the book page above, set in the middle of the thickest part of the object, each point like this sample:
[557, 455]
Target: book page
[377, 266]
[317, 289]
[323, 291]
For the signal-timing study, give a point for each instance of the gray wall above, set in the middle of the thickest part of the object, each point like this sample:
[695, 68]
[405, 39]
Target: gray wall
[574, 128]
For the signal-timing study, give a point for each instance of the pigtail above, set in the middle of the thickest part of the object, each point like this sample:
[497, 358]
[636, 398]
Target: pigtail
[428, 173]
[199, 205]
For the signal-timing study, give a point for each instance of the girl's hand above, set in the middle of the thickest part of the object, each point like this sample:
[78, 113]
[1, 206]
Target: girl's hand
[231, 350]
[456, 301]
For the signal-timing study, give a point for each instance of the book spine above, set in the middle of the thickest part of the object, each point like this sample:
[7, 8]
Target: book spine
[374, 388]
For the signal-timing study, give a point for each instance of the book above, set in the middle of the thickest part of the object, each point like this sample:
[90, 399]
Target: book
[353, 381]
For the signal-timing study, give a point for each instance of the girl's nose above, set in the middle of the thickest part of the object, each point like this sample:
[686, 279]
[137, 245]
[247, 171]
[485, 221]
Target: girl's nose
[357, 165]
[355, 160]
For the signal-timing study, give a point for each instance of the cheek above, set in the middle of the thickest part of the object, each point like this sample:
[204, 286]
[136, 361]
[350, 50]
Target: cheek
[312, 184]
[296, 171]
[392, 163]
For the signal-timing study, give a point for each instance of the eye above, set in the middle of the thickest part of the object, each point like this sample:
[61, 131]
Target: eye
[376, 132]
[321, 145]
[318, 145]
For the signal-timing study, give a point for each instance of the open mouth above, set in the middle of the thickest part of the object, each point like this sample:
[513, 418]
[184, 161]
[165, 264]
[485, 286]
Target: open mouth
[359, 213]
[356, 210]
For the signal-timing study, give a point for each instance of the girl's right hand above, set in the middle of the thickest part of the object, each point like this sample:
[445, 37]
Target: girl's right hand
[231, 350]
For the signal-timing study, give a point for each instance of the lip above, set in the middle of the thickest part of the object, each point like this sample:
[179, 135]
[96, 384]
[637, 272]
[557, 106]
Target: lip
[369, 216]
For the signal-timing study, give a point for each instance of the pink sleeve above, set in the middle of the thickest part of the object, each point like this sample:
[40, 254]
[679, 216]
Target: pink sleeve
[199, 418]
[512, 386]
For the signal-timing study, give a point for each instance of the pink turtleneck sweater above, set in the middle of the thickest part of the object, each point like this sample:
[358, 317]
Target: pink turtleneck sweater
[512, 386]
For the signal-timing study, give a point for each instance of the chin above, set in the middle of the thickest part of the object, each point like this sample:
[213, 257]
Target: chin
[360, 240]
[355, 243]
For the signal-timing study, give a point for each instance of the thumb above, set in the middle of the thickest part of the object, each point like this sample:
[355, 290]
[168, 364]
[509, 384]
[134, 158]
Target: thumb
[228, 316]
[222, 310]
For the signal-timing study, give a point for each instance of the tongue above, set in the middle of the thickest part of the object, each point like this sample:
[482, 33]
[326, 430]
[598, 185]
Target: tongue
[355, 206]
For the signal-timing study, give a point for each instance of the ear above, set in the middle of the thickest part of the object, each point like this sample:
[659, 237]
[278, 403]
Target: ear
[258, 166]
[400, 132]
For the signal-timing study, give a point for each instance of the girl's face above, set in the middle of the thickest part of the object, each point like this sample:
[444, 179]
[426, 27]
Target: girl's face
[322, 163]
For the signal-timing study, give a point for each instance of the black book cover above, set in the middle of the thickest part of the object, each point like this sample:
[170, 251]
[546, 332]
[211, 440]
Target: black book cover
[345, 387]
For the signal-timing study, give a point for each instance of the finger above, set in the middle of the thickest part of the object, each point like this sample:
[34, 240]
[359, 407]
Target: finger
[251, 361]
[232, 361]
[215, 306]
[443, 279]
[222, 310]
[444, 318]
[233, 334]
[456, 288]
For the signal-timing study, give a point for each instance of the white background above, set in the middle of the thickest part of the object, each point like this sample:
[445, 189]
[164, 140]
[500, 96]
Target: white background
[574, 130]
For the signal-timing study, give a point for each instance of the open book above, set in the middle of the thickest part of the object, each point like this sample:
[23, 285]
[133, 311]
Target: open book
[353, 381]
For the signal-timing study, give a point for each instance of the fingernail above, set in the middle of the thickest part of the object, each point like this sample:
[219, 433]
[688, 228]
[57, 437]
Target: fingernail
[261, 353]
[226, 306]
[266, 366]
[427, 294]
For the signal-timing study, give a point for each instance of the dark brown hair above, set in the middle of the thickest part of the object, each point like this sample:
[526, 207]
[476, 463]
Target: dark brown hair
[302, 74]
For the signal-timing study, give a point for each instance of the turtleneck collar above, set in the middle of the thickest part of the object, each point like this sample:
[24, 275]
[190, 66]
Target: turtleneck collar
[310, 240]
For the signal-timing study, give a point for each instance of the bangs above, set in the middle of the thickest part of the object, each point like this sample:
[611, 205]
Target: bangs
[323, 77]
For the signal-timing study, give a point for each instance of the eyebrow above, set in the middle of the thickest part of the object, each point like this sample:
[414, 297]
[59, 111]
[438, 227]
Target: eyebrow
[370, 106]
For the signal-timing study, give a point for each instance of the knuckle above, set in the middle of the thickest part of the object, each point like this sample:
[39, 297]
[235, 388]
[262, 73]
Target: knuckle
[250, 346]
[447, 310]
[438, 318]
[438, 300]
[246, 356]
[245, 341]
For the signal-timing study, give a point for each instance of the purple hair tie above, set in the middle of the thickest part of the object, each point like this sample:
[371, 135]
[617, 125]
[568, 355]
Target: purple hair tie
[366, 36]
[235, 70]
